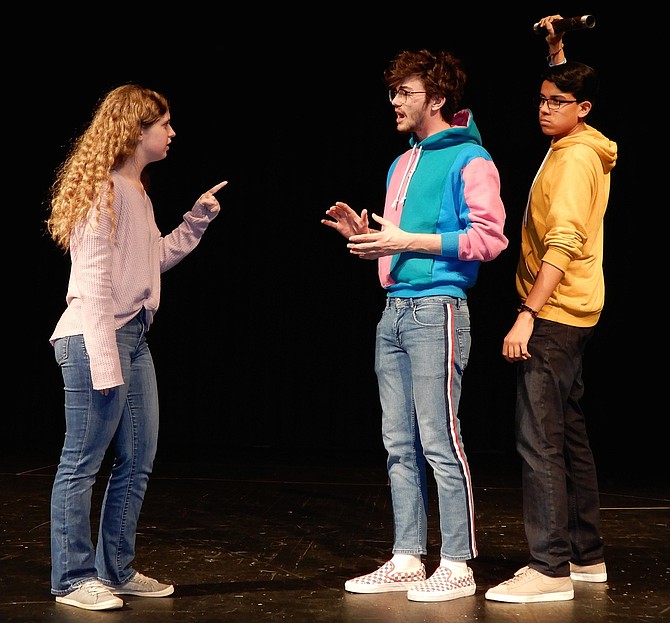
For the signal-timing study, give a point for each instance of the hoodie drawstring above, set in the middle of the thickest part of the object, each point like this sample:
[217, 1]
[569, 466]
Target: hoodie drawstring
[412, 163]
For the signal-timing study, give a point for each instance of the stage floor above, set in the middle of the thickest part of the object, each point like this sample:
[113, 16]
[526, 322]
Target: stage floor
[262, 535]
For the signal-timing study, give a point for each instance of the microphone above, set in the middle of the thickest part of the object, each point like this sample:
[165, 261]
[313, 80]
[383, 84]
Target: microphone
[569, 23]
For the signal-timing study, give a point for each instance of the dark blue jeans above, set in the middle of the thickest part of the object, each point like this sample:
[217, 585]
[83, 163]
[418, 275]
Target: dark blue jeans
[561, 502]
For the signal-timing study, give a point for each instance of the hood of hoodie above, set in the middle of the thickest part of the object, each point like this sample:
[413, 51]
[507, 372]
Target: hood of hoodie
[462, 130]
[604, 147]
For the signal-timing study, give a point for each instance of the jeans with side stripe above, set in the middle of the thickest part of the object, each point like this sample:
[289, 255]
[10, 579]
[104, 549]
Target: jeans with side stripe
[422, 348]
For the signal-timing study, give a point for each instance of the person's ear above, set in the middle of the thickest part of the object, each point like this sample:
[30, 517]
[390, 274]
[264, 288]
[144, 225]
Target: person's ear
[437, 102]
[584, 108]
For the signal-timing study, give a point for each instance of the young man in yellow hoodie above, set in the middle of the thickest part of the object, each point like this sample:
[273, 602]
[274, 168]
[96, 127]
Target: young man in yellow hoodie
[560, 283]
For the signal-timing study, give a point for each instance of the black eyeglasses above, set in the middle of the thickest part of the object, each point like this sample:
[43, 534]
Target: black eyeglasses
[553, 104]
[401, 94]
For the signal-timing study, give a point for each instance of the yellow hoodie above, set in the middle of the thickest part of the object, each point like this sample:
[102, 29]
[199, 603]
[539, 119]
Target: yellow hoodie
[563, 226]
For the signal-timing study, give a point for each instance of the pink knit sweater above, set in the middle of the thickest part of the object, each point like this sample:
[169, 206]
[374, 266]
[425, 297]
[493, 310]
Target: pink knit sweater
[112, 279]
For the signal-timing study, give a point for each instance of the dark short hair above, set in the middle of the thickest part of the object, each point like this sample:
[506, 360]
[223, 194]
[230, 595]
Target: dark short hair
[576, 78]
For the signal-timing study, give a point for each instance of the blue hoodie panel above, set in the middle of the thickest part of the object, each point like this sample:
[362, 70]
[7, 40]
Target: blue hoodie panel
[435, 203]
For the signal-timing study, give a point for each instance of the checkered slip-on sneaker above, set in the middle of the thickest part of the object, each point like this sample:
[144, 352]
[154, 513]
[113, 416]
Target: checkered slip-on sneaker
[443, 585]
[385, 580]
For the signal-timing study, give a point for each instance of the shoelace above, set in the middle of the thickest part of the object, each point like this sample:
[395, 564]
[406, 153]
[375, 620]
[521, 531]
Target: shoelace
[95, 588]
[518, 575]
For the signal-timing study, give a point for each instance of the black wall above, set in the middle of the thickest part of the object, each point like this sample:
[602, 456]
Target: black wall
[265, 333]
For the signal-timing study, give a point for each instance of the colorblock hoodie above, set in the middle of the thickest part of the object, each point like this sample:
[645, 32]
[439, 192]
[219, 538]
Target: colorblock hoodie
[446, 184]
[563, 226]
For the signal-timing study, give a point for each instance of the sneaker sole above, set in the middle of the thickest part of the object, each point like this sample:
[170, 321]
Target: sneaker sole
[379, 588]
[588, 577]
[104, 605]
[164, 593]
[528, 599]
[455, 593]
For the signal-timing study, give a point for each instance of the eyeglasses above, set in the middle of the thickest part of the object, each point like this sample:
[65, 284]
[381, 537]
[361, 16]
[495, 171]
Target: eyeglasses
[401, 94]
[553, 104]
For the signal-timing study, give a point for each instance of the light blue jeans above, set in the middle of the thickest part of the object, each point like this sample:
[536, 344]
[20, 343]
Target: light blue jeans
[127, 420]
[422, 348]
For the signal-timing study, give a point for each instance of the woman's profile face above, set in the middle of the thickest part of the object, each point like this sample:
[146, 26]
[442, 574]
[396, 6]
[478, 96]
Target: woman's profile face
[155, 139]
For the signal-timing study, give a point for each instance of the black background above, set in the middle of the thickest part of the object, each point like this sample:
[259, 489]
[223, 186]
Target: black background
[265, 334]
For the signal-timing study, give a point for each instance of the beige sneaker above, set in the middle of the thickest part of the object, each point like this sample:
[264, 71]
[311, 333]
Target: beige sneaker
[528, 586]
[91, 595]
[142, 586]
[588, 573]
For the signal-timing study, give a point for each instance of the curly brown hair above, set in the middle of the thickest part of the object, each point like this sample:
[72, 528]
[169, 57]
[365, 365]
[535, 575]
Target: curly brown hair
[83, 182]
[442, 74]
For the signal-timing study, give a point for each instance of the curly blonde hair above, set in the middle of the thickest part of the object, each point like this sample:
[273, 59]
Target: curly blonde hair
[111, 137]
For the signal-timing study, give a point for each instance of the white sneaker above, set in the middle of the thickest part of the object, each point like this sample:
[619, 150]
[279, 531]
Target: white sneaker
[91, 595]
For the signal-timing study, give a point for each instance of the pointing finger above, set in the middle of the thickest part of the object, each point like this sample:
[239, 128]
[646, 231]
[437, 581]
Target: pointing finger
[218, 187]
